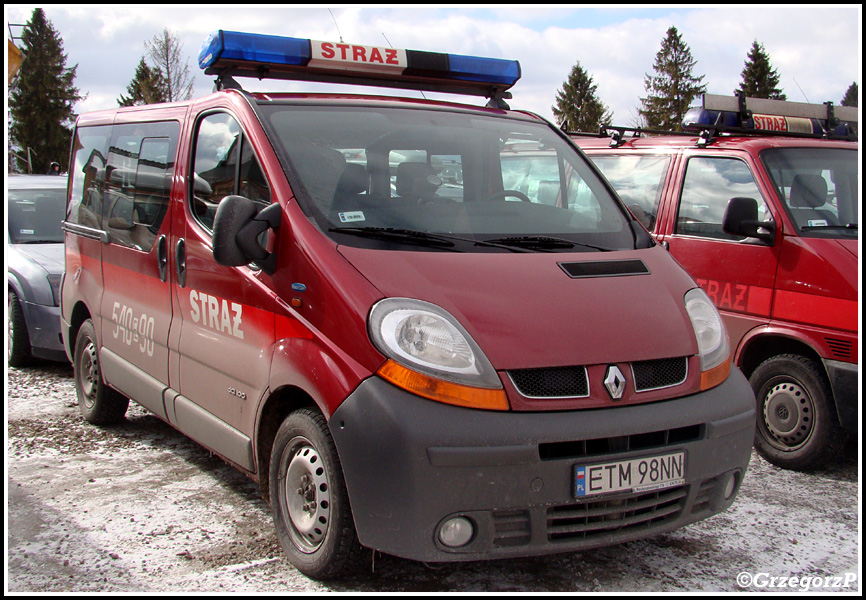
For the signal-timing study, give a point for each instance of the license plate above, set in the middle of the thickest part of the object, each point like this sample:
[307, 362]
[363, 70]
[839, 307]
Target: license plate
[635, 475]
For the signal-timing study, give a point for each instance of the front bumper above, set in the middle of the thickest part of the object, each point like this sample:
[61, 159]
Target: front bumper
[43, 328]
[410, 463]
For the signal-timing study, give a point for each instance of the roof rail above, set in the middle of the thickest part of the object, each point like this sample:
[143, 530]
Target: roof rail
[229, 54]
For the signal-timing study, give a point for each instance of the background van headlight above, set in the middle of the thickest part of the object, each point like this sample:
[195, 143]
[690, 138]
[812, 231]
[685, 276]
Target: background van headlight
[712, 338]
[432, 355]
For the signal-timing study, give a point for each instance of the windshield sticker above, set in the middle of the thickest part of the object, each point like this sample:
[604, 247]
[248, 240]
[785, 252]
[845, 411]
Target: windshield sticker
[351, 217]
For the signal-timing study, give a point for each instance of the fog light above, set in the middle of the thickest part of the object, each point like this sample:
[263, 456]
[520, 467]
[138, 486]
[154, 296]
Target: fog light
[730, 485]
[456, 532]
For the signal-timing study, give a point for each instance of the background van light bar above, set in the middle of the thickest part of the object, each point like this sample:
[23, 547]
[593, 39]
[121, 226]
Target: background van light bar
[276, 57]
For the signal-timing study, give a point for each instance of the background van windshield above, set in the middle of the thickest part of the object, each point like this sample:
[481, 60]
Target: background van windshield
[444, 172]
[818, 187]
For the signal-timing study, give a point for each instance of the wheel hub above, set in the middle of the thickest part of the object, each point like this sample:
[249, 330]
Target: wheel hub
[308, 499]
[789, 414]
[88, 373]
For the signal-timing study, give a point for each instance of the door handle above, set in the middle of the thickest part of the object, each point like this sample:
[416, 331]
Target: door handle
[180, 262]
[162, 258]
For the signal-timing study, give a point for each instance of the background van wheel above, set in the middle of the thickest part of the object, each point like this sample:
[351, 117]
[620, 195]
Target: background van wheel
[797, 423]
[309, 500]
[98, 403]
[16, 329]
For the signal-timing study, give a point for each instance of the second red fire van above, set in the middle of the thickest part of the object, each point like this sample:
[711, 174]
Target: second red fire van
[759, 200]
[348, 298]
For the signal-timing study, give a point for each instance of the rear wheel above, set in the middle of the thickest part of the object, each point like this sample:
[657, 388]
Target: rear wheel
[98, 403]
[797, 423]
[16, 329]
[308, 497]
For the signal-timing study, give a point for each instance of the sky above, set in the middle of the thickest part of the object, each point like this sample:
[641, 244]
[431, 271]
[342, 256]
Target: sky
[816, 49]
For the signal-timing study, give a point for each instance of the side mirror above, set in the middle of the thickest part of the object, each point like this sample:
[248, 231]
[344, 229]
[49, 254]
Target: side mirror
[741, 219]
[236, 229]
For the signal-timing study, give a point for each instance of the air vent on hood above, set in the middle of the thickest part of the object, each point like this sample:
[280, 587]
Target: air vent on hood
[604, 268]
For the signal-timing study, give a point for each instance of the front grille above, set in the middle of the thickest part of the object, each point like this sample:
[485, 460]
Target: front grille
[625, 443]
[586, 520]
[656, 374]
[511, 528]
[556, 382]
[573, 382]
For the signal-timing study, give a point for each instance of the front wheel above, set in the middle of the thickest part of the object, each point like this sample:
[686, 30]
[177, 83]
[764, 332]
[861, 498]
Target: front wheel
[98, 403]
[797, 423]
[309, 500]
[16, 332]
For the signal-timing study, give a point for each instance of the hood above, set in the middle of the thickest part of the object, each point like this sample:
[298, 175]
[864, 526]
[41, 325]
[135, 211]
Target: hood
[849, 245]
[48, 256]
[526, 311]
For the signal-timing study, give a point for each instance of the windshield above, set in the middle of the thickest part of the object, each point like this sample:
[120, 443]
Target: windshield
[35, 215]
[377, 177]
[818, 187]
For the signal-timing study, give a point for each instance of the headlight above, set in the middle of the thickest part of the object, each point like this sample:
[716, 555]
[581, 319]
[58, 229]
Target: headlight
[432, 354]
[711, 335]
[54, 282]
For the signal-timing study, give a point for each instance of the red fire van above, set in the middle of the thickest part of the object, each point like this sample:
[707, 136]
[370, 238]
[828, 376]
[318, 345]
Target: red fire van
[759, 201]
[350, 299]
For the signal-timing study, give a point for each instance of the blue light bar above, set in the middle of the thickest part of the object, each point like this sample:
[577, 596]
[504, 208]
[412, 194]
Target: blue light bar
[739, 114]
[255, 55]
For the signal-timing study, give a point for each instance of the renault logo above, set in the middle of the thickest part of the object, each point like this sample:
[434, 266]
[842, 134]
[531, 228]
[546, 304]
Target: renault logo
[614, 382]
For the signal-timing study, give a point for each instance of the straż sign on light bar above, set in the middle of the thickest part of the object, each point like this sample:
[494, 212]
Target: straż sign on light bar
[332, 55]
[776, 123]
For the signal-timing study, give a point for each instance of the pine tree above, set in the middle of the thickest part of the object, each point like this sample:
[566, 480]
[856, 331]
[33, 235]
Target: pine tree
[760, 79]
[851, 94]
[577, 106]
[673, 87]
[166, 55]
[147, 87]
[43, 97]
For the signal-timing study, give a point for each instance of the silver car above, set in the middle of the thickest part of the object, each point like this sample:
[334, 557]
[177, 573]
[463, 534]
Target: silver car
[34, 246]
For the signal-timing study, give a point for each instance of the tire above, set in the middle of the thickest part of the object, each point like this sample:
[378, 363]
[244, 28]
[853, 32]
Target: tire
[310, 504]
[98, 403]
[19, 354]
[797, 423]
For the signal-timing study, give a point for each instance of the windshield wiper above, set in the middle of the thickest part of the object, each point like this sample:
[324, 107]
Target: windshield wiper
[409, 236]
[422, 238]
[543, 243]
[828, 226]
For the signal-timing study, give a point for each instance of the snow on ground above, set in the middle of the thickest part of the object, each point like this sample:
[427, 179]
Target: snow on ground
[139, 508]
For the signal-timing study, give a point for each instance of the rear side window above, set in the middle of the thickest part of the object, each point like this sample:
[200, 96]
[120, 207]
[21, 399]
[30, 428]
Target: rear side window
[638, 180]
[138, 183]
[709, 184]
[224, 165]
[90, 151]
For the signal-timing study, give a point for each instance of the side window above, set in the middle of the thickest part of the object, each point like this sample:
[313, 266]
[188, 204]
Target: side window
[90, 148]
[139, 171]
[224, 165]
[638, 179]
[709, 184]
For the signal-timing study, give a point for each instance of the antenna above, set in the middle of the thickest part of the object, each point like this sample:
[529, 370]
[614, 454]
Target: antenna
[337, 26]
[801, 90]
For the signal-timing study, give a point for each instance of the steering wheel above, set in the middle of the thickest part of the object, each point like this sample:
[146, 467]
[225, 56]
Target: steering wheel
[505, 193]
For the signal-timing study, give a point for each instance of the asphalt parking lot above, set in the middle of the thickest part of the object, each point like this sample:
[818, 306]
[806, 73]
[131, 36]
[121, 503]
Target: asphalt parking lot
[140, 508]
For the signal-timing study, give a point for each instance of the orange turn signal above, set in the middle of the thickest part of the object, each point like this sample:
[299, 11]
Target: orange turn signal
[443, 391]
[715, 376]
